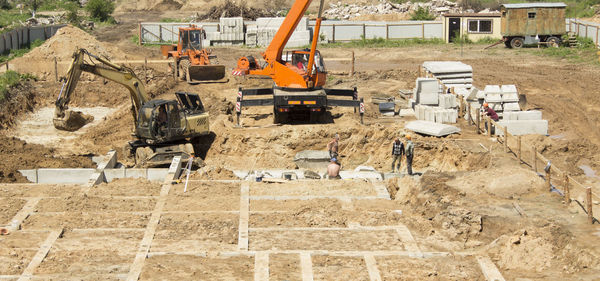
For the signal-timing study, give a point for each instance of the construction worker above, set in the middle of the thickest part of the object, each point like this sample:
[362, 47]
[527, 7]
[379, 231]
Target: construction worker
[332, 147]
[409, 151]
[492, 114]
[397, 152]
[333, 169]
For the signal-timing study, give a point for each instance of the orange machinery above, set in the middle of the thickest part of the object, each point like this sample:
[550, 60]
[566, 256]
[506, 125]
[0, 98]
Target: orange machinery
[298, 76]
[190, 61]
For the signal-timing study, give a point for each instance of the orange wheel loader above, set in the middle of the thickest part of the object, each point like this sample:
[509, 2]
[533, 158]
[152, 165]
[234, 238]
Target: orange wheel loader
[190, 61]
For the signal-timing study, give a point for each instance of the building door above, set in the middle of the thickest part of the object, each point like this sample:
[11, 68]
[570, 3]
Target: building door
[453, 29]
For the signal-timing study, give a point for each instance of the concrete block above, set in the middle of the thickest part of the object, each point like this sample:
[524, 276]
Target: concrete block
[242, 174]
[64, 176]
[360, 175]
[523, 115]
[447, 67]
[511, 106]
[112, 174]
[492, 89]
[312, 159]
[156, 174]
[136, 173]
[524, 127]
[427, 91]
[388, 113]
[493, 97]
[439, 116]
[364, 169]
[231, 25]
[509, 89]
[31, 175]
[429, 115]
[510, 97]
[405, 112]
[431, 128]
[447, 101]
[174, 169]
[387, 106]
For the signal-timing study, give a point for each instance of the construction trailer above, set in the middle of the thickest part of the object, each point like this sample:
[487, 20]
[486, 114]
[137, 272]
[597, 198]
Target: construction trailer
[532, 23]
[475, 26]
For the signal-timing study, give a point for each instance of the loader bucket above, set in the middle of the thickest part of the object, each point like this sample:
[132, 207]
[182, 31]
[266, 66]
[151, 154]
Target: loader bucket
[199, 73]
[71, 120]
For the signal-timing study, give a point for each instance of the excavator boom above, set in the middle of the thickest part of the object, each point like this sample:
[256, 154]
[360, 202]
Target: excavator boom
[67, 120]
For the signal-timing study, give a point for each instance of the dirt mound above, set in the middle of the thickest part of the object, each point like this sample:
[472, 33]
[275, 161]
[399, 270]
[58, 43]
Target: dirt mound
[20, 99]
[67, 40]
[30, 156]
[214, 173]
[167, 5]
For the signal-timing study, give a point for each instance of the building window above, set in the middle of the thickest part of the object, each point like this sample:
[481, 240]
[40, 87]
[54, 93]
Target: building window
[480, 26]
[531, 15]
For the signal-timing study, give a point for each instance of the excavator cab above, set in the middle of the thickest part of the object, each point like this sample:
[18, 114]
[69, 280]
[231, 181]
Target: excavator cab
[159, 120]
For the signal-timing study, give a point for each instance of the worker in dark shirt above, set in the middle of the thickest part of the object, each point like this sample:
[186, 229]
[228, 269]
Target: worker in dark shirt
[492, 114]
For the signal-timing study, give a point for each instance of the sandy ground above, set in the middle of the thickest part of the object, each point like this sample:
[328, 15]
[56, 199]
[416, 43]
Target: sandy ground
[463, 205]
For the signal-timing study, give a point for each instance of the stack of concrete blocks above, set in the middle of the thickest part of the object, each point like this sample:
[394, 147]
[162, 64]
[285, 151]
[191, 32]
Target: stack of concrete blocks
[524, 123]
[263, 32]
[451, 73]
[231, 32]
[431, 103]
[502, 99]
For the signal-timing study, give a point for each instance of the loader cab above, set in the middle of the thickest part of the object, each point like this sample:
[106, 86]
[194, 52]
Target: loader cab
[159, 120]
[191, 38]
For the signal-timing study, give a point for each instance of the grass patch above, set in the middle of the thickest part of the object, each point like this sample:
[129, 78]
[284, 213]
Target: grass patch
[20, 52]
[58, 5]
[10, 79]
[10, 17]
[586, 52]
[383, 43]
[171, 20]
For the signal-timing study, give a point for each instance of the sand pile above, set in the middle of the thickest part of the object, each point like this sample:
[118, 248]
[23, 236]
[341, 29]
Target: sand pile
[67, 40]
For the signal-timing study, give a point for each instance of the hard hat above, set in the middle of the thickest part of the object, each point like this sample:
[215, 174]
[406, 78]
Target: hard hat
[407, 137]
[485, 104]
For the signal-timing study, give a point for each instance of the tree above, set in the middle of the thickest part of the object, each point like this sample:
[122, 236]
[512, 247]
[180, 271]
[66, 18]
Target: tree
[33, 6]
[422, 14]
[4, 5]
[100, 9]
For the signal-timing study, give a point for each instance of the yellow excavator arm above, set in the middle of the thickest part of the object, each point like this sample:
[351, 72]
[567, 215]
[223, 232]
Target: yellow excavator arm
[72, 121]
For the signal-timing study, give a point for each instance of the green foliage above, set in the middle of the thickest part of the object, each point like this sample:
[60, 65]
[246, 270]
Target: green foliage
[59, 5]
[586, 52]
[383, 43]
[487, 40]
[20, 52]
[7, 80]
[135, 39]
[422, 14]
[5, 5]
[100, 10]
[171, 20]
[8, 18]
[72, 15]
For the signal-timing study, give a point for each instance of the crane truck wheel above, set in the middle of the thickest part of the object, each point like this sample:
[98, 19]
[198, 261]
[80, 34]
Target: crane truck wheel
[553, 41]
[517, 42]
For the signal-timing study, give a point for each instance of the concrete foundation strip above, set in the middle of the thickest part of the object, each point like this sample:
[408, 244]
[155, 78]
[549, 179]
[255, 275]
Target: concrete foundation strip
[25, 212]
[138, 263]
[98, 176]
[408, 239]
[244, 217]
[261, 266]
[489, 269]
[40, 255]
[359, 254]
[371, 264]
[381, 190]
[306, 265]
[311, 197]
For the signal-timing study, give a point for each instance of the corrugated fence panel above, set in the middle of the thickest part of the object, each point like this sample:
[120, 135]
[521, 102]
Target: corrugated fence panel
[21, 37]
[375, 31]
[405, 31]
[433, 30]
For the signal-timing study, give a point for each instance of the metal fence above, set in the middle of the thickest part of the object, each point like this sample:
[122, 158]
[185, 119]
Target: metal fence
[21, 37]
[584, 29]
[334, 31]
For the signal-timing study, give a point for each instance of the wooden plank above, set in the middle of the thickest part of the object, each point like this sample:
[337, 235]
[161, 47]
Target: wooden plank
[244, 217]
[40, 255]
[519, 210]
[306, 265]
[25, 212]
[374, 274]
[489, 269]
[261, 266]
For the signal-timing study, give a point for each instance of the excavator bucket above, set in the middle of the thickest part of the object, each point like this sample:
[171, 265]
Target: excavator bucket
[206, 73]
[71, 120]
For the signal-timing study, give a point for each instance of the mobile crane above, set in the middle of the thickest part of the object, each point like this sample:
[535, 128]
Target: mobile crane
[298, 77]
[162, 128]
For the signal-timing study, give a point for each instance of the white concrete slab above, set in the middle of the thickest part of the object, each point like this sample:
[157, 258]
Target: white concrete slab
[447, 67]
[524, 127]
[427, 91]
[431, 128]
[64, 176]
[511, 106]
[406, 112]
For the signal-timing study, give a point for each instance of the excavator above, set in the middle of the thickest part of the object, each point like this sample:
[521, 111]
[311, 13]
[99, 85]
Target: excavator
[163, 129]
[298, 76]
[190, 61]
